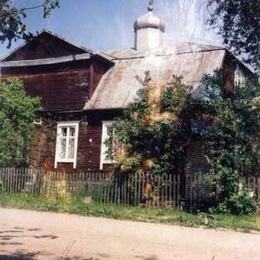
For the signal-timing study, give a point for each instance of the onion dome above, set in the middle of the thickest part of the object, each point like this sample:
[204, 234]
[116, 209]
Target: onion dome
[149, 31]
[149, 20]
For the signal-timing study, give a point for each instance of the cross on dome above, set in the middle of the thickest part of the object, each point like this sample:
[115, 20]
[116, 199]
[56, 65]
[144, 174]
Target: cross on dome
[150, 6]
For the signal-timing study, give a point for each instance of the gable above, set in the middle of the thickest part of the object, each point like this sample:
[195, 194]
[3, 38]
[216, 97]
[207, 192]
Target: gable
[45, 45]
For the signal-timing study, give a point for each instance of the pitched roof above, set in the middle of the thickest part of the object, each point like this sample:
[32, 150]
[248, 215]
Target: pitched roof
[119, 85]
[47, 47]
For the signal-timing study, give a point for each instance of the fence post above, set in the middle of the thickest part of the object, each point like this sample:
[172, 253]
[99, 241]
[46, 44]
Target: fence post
[258, 186]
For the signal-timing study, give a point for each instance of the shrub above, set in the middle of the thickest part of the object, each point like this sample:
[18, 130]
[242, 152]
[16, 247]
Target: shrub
[238, 204]
[17, 114]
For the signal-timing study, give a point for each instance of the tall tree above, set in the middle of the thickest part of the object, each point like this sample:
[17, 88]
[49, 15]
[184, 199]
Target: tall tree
[232, 140]
[17, 114]
[238, 21]
[12, 24]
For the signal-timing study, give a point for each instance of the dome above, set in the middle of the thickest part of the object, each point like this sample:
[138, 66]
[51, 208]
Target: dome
[149, 20]
[149, 31]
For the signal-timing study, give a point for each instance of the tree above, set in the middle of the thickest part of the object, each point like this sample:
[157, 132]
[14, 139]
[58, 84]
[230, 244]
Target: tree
[232, 142]
[12, 25]
[238, 21]
[154, 130]
[17, 114]
[150, 136]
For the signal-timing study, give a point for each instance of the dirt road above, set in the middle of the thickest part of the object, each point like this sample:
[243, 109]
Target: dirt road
[37, 235]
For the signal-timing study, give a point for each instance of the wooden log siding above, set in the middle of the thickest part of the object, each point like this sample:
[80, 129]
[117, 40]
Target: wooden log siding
[64, 89]
[45, 45]
[43, 146]
[61, 87]
[89, 147]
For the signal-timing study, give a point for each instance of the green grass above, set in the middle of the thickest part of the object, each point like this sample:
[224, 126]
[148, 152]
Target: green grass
[156, 215]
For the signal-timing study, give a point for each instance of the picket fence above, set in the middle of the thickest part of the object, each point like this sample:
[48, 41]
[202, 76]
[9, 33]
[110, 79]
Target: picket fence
[137, 190]
[98, 186]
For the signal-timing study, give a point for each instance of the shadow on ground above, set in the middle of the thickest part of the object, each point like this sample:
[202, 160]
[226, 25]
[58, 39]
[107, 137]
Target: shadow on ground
[21, 255]
[153, 257]
[7, 237]
[15, 236]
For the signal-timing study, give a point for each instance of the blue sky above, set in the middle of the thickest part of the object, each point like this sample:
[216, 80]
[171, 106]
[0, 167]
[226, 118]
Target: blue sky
[100, 24]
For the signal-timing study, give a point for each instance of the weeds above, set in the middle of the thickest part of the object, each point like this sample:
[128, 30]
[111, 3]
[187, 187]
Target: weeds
[77, 205]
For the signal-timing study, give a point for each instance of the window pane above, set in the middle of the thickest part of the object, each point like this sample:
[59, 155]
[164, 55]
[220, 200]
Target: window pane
[64, 131]
[72, 131]
[109, 130]
[62, 150]
[107, 142]
[71, 148]
[66, 142]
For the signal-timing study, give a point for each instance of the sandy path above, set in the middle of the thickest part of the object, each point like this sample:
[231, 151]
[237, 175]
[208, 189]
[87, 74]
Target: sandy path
[38, 235]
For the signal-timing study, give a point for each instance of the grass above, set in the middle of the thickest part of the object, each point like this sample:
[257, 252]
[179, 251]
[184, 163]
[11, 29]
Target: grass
[156, 215]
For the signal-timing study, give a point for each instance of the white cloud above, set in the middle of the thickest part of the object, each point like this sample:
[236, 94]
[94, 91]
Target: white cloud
[185, 21]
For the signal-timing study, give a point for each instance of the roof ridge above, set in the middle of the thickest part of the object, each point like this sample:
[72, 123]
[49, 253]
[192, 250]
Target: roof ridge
[40, 33]
[58, 37]
[142, 56]
[206, 44]
[65, 39]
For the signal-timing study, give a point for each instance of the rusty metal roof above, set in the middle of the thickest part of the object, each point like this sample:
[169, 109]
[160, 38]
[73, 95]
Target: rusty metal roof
[185, 47]
[119, 85]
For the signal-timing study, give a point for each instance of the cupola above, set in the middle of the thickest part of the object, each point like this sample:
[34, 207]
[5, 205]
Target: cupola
[149, 31]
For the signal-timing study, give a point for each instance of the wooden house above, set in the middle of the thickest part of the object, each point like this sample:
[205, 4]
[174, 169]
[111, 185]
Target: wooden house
[82, 91]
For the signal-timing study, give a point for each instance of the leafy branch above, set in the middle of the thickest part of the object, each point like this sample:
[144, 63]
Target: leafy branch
[12, 25]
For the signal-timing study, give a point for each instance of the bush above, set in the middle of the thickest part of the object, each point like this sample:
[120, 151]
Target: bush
[238, 204]
[17, 114]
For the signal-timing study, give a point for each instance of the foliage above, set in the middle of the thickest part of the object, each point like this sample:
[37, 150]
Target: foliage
[155, 129]
[205, 186]
[17, 113]
[234, 144]
[238, 23]
[154, 132]
[12, 25]
[174, 96]
[232, 141]
[238, 204]
[150, 129]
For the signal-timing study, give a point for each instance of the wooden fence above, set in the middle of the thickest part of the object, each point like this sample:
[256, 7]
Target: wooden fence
[139, 189]
[98, 186]
[200, 191]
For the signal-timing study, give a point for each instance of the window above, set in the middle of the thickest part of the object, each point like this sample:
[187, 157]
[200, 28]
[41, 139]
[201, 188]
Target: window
[106, 129]
[67, 143]
[239, 76]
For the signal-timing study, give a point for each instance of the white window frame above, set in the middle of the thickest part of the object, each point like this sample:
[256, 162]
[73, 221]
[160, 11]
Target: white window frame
[239, 76]
[38, 121]
[60, 125]
[103, 159]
